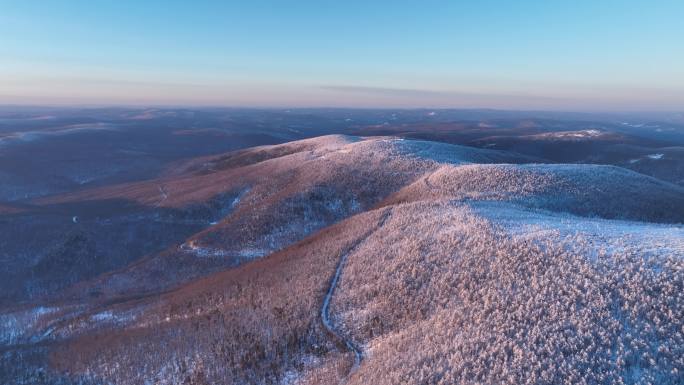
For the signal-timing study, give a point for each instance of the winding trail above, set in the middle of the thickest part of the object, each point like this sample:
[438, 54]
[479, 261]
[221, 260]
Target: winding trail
[325, 309]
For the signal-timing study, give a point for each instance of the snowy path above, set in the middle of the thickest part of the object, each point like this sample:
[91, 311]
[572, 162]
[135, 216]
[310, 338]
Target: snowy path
[325, 309]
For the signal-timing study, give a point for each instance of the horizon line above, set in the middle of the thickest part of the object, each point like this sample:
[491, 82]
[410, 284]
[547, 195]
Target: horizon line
[286, 108]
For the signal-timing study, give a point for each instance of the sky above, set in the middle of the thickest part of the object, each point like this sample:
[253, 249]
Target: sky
[606, 55]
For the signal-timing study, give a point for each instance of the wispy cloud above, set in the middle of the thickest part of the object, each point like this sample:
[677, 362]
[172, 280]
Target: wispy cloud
[577, 98]
[386, 91]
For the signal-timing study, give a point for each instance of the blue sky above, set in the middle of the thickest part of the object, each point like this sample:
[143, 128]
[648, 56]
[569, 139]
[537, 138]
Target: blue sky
[564, 55]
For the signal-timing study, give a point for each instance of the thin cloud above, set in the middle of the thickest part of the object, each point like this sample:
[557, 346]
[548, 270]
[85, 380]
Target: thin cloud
[385, 91]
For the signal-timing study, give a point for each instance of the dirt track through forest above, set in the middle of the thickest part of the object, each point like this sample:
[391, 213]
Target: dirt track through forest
[325, 309]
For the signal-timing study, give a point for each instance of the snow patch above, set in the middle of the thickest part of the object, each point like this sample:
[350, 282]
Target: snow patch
[110, 317]
[210, 252]
[17, 326]
[103, 316]
[594, 236]
[581, 134]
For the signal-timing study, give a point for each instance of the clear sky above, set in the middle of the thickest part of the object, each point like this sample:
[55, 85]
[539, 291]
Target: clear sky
[517, 54]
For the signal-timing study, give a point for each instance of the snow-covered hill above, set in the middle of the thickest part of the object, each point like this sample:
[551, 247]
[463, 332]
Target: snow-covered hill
[451, 265]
